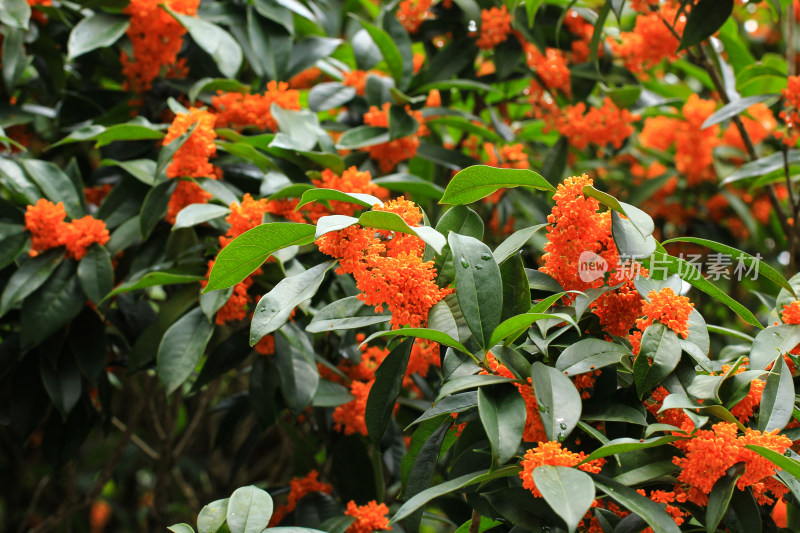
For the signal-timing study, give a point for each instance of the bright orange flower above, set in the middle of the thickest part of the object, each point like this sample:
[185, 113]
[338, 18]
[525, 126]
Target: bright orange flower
[791, 111]
[390, 153]
[790, 312]
[495, 27]
[666, 307]
[81, 233]
[96, 194]
[550, 67]
[651, 40]
[551, 453]
[299, 487]
[351, 180]
[45, 221]
[156, 38]
[349, 418]
[238, 110]
[758, 128]
[266, 346]
[534, 427]
[369, 518]
[607, 124]
[99, 515]
[306, 79]
[186, 193]
[673, 417]
[191, 159]
[412, 13]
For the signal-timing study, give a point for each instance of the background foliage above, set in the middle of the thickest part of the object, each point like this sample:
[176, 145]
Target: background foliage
[223, 224]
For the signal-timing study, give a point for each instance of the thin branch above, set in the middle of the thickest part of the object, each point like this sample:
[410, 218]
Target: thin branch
[475, 523]
[135, 439]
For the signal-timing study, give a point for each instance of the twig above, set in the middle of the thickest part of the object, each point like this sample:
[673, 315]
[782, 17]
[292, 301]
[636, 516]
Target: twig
[475, 523]
[202, 409]
[37, 493]
[135, 439]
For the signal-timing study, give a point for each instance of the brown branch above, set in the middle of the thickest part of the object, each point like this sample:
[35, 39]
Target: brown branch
[475, 523]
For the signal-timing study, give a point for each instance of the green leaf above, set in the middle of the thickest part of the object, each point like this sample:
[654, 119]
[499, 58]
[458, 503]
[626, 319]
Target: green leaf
[181, 348]
[521, 322]
[408, 183]
[479, 287]
[630, 242]
[56, 185]
[362, 136]
[531, 7]
[62, 382]
[95, 273]
[734, 108]
[194, 214]
[461, 383]
[212, 516]
[568, 491]
[452, 404]
[394, 222]
[330, 394]
[773, 342]
[559, 401]
[762, 166]
[31, 275]
[391, 54]
[307, 51]
[688, 273]
[317, 195]
[215, 41]
[761, 268]
[244, 254]
[452, 159]
[479, 181]
[641, 220]
[613, 412]
[516, 288]
[143, 170]
[720, 496]
[385, 389]
[420, 333]
[502, 412]
[777, 400]
[588, 355]
[401, 124]
[659, 344]
[96, 31]
[249, 510]
[153, 279]
[419, 464]
[464, 221]
[441, 489]
[347, 313]
[19, 184]
[651, 512]
[787, 464]
[154, 207]
[181, 528]
[331, 223]
[705, 18]
[399, 36]
[514, 242]
[297, 369]
[15, 13]
[12, 247]
[275, 307]
[55, 303]
[325, 96]
[622, 445]
[135, 130]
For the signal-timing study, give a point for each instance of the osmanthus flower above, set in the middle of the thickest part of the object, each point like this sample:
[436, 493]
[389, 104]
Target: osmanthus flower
[791, 112]
[495, 27]
[791, 313]
[603, 125]
[673, 417]
[390, 153]
[349, 418]
[240, 110]
[667, 498]
[745, 408]
[710, 453]
[96, 194]
[306, 79]
[551, 67]
[553, 454]
[358, 79]
[412, 13]
[651, 40]
[191, 159]
[388, 271]
[156, 39]
[665, 306]
[351, 180]
[299, 487]
[759, 123]
[46, 222]
[368, 518]
[583, 30]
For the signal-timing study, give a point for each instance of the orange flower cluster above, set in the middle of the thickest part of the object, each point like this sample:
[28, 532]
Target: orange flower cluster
[551, 453]
[389, 154]
[369, 518]
[238, 110]
[96, 194]
[583, 30]
[673, 417]
[551, 68]
[607, 124]
[667, 498]
[306, 79]
[388, 271]
[351, 180]
[666, 307]
[45, 221]
[358, 79]
[412, 13]
[349, 418]
[651, 40]
[495, 27]
[791, 111]
[299, 487]
[791, 313]
[693, 146]
[710, 453]
[156, 38]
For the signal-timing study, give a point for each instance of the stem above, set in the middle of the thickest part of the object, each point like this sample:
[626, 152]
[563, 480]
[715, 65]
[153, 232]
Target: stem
[377, 470]
[475, 523]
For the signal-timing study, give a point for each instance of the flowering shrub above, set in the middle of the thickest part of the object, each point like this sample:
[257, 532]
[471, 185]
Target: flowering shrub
[416, 266]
